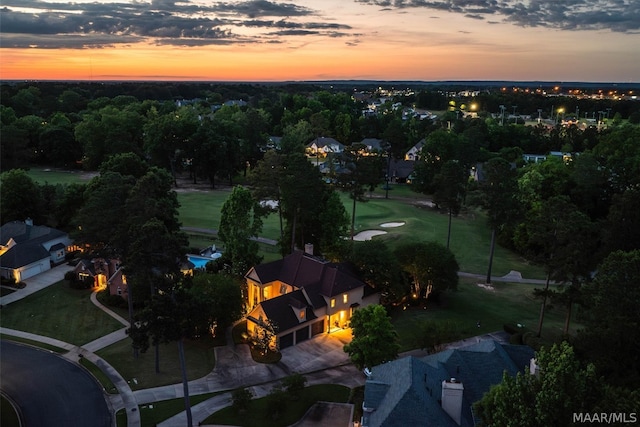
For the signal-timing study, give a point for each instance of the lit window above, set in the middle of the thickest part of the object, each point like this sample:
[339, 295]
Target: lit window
[302, 314]
[333, 302]
[345, 298]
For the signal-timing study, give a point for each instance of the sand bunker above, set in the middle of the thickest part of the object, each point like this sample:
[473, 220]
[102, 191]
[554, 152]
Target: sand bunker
[392, 224]
[367, 235]
[485, 286]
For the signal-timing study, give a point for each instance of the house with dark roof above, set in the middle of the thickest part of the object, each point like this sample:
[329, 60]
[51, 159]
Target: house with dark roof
[27, 249]
[304, 296]
[400, 171]
[373, 145]
[438, 389]
[101, 273]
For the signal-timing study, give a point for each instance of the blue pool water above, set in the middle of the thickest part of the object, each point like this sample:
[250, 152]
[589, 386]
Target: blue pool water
[200, 261]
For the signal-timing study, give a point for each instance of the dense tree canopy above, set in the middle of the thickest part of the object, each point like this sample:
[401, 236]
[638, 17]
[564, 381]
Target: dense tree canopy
[241, 220]
[374, 339]
[431, 266]
[611, 338]
[561, 388]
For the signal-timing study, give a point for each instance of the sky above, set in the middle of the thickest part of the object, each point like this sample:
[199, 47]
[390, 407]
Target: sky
[264, 40]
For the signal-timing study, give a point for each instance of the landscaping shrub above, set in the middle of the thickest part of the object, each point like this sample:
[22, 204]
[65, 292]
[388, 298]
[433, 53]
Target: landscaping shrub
[294, 384]
[277, 401]
[8, 282]
[115, 301]
[70, 276]
[241, 399]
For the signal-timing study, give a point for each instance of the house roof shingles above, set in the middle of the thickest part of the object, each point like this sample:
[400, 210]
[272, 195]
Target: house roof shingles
[29, 240]
[313, 278]
[281, 310]
[415, 384]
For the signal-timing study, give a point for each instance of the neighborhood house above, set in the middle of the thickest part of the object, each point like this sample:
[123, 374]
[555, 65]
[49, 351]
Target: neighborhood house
[102, 273]
[27, 249]
[304, 295]
[439, 389]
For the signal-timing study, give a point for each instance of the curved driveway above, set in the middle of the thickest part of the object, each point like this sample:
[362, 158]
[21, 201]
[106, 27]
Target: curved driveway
[51, 391]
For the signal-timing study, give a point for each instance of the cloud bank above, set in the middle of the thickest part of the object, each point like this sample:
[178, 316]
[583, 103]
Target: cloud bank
[40, 24]
[614, 15]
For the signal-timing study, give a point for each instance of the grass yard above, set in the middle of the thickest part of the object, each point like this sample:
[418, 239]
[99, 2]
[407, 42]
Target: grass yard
[38, 344]
[470, 236]
[507, 303]
[102, 378]
[199, 355]
[59, 176]
[257, 414]
[59, 312]
[153, 414]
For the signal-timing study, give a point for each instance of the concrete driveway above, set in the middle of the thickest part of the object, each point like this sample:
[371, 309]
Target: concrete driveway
[36, 283]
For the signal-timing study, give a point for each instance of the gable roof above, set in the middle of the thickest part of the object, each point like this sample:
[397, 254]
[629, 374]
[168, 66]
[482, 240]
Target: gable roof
[314, 274]
[29, 241]
[407, 391]
[281, 310]
[372, 143]
[323, 141]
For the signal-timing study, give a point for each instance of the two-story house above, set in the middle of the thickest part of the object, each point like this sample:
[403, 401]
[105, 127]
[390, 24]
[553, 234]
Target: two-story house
[304, 296]
[101, 273]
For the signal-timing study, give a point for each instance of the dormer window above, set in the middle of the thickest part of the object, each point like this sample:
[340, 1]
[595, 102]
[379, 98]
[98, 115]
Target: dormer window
[302, 314]
[345, 298]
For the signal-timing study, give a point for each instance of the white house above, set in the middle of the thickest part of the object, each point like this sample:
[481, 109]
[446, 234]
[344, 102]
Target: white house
[27, 249]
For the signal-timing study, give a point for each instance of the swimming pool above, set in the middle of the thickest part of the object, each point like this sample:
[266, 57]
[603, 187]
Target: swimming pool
[201, 261]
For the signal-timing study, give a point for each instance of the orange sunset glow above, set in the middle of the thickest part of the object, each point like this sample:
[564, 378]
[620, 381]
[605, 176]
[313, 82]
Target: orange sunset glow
[314, 40]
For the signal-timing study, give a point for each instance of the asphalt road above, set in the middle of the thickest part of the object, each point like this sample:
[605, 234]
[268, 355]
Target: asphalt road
[50, 390]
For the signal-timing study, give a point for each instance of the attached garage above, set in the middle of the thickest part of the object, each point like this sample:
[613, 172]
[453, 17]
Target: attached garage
[31, 271]
[302, 334]
[286, 340]
[317, 328]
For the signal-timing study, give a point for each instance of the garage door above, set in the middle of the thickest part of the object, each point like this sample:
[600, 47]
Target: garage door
[286, 341]
[31, 271]
[317, 328]
[302, 334]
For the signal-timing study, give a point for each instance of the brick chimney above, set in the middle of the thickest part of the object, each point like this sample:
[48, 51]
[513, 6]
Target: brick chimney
[452, 392]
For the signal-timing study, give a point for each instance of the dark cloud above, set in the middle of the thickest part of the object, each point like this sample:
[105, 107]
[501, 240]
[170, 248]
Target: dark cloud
[35, 23]
[613, 15]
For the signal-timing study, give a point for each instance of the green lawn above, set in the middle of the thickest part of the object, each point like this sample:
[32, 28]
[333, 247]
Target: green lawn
[153, 414]
[59, 312]
[257, 414]
[508, 303]
[470, 236]
[102, 378]
[58, 176]
[199, 355]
